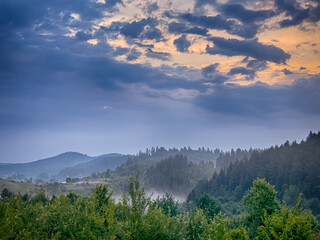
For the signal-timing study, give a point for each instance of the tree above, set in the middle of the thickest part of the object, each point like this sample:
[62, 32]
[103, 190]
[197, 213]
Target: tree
[260, 201]
[220, 230]
[288, 224]
[6, 194]
[198, 227]
[209, 206]
[168, 205]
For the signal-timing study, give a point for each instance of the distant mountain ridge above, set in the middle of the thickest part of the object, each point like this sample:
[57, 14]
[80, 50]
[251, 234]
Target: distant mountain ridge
[96, 165]
[50, 165]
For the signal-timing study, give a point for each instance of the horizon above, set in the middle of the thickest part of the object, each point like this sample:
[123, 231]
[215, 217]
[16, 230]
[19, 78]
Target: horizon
[167, 148]
[98, 76]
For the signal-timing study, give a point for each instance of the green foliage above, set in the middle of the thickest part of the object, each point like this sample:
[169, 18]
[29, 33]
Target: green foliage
[261, 198]
[136, 217]
[6, 194]
[221, 231]
[208, 205]
[198, 226]
[288, 224]
[292, 167]
[40, 198]
[168, 205]
[260, 201]
[236, 234]
[219, 228]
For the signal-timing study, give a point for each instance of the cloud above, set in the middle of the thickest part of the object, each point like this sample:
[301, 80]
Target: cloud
[254, 64]
[209, 71]
[286, 71]
[151, 7]
[133, 55]
[119, 51]
[302, 68]
[242, 71]
[135, 28]
[181, 28]
[249, 48]
[296, 13]
[143, 29]
[82, 36]
[152, 33]
[262, 101]
[244, 15]
[199, 4]
[217, 79]
[163, 56]
[182, 44]
[219, 22]
[213, 22]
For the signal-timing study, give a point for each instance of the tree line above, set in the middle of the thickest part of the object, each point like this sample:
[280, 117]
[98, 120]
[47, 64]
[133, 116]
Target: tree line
[292, 167]
[136, 216]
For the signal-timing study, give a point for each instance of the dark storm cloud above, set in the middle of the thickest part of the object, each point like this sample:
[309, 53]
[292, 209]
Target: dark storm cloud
[163, 56]
[210, 70]
[254, 64]
[119, 51]
[114, 27]
[242, 71]
[213, 22]
[82, 36]
[180, 28]
[296, 13]
[182, 44]
[152, 33]
[135, 28]
[197, 31]
[219, 22]
[286, 71]
[133, 55]
[218, 79]
[249, 48]
[244, 15]
[212, 74]
[53, 79]
[260, 100]
[143, 29]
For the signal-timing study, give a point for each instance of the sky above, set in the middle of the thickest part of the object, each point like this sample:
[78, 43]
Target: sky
[103, 76]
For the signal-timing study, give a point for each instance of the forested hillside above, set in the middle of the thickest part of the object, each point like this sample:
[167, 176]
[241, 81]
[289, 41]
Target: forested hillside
[292, 167]
[176, 175]
[229, 157]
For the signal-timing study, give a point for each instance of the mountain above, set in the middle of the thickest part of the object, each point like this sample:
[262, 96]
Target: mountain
[292, 167]
[96, 165]
[49, 166]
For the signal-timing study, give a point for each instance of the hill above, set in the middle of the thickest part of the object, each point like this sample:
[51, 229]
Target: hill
[185, 168]
[96, 165]
[49, 166]
[292, 167]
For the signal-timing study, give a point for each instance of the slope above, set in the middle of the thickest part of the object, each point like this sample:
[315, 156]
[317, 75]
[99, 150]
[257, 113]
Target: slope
[293, 168]
[49, 165]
